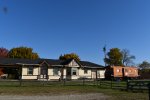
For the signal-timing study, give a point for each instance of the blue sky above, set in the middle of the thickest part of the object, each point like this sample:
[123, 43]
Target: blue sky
[54, 27]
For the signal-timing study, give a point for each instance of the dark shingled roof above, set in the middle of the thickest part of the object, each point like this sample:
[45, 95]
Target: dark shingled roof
[90, 64]
[13, 61]
[17, 60]
[53, 61]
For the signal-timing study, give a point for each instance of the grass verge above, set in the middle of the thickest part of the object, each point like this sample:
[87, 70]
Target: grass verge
[65, 90]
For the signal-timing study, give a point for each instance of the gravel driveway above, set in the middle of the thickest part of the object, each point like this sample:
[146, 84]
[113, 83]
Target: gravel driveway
[91, 96]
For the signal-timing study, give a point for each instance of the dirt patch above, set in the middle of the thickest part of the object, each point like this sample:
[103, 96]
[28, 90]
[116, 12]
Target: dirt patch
[89, 96]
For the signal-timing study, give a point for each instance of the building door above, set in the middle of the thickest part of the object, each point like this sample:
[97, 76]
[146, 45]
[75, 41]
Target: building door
[68, 73]
[94, 74]
[62, 73]
[44, 72]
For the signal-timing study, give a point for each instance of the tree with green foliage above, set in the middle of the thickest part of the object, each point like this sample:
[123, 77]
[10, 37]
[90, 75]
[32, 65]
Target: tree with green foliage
[69, 56]
[3, 52]
[144, 71]
[22, 52]
[114, 57]
[144, 65]
[127, 59]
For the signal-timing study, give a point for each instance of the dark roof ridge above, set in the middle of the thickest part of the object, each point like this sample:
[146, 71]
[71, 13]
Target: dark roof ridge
[88, 61]
[50, 61]
[90, 64]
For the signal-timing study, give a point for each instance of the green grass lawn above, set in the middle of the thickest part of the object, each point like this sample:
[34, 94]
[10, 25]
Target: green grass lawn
[64, 90]
[71, 87]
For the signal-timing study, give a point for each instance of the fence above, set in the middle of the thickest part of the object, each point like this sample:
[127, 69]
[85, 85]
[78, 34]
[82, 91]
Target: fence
[81, 82]
[129, 85]
[139, 85]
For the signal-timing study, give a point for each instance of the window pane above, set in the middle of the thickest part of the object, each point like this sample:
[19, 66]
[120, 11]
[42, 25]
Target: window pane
[85, 71]
[30, 71]
[74, 71]
[55, 71]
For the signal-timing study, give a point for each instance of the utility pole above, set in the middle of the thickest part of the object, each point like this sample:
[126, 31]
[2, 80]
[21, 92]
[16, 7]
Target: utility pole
[5, 8]
[104, 50]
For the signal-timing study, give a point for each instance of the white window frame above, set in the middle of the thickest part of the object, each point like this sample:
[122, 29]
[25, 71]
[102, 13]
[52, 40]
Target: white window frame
[55, 70]
[30, 69]
[85, 71]
[74, 70]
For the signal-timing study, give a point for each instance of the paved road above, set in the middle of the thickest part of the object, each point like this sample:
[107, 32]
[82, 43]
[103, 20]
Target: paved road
[91, 96]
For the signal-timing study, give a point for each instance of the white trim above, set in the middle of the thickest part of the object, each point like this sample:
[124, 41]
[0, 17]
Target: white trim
[57, 65]
[91, 67]
[25, 64]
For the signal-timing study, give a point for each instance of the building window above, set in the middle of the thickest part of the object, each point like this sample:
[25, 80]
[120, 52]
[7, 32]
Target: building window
[74, 71]
[118, 70]
[85, 71]
[55, 71]
[30, 70]
[135, 70]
